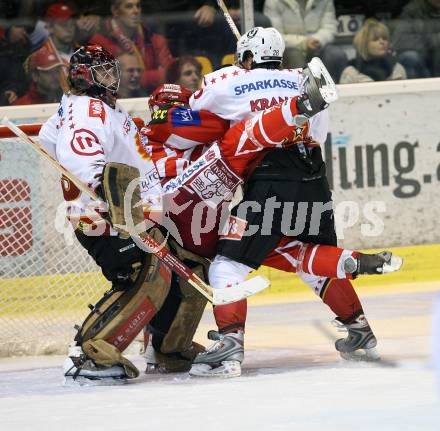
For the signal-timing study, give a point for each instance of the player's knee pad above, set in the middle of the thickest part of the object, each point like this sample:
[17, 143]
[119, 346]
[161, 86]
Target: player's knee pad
[177, 321]
[121, 314]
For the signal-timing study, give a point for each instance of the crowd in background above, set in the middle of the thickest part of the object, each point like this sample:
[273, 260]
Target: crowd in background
[179, 40]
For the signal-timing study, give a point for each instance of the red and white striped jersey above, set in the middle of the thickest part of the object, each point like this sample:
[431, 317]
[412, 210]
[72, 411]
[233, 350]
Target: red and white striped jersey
[177, 135]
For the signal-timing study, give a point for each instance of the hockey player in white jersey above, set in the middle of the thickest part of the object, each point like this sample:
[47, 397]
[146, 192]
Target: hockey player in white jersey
[98, 141]
[239, 92]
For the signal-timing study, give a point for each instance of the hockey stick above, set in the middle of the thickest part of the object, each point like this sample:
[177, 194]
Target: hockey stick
[216, 296]
[229, 20]
[63, 72]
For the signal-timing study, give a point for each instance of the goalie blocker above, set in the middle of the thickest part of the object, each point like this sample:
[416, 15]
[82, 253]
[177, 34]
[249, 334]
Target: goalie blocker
[142, 288]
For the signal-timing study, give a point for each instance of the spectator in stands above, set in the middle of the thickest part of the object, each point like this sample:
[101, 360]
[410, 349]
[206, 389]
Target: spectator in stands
[20, 25]
[374, 61]
[193, 27]
[131, 72]
[233, 6]
[186, 23]
[124, 32]
[90, 18]
[187, 72]
[378, 9]
[12, 75]
[44, 71]
[417, 38]
[60, 18]
[309, 28]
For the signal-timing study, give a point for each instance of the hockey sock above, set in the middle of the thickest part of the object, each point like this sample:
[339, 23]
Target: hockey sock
[231, 317]
[342, 299]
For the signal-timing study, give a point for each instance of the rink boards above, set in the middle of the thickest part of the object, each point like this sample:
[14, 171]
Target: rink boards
[420, 265]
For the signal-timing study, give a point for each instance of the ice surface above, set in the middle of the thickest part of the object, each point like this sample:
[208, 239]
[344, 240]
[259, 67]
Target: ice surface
[293, 380]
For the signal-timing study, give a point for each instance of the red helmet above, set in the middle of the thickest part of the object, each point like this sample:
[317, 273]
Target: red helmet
[96, 72]
[167, 94]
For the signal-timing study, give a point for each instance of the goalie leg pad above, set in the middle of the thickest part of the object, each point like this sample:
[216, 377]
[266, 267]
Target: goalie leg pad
[174, 326]
[121, 314]
[181, 332]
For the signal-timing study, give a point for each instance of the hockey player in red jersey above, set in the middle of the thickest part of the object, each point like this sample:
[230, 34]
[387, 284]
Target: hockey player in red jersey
[172, 144]
[175, 138]
[295, 175]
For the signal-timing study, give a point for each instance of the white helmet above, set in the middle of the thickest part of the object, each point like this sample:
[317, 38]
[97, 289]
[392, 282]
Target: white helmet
[266, 44]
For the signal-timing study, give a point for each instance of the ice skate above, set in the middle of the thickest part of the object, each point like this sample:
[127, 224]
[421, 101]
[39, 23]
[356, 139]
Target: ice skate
[360, 343]
[159, 363]
[380, 263]
[223, 358]
[79, 370]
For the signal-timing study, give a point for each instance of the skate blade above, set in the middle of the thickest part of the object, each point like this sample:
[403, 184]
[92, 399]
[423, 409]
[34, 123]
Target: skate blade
[393, 265]
[361, 355]
[85, 381]
[227, 369]
[157, 369]
[153, 369]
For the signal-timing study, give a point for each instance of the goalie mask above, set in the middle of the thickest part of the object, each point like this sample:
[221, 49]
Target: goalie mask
[167, 94]
[95, 71]
[265, 44]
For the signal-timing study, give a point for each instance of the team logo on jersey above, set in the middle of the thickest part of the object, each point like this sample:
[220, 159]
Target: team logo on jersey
[96, 109]
[185, 117]
[85, 143]
[142, 146]
[235, 229]
[70, 191]
[301, 132]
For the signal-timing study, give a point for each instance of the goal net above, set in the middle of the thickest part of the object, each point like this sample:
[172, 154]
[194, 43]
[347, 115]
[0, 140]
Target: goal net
[46, 278]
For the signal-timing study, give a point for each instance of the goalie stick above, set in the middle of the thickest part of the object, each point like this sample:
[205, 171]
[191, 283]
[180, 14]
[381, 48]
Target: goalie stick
[215, 296]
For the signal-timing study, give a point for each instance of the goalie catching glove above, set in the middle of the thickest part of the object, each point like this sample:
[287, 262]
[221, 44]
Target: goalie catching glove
[318, 89]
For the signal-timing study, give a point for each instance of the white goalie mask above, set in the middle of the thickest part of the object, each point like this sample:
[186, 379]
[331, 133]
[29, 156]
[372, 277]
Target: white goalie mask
[266, 45]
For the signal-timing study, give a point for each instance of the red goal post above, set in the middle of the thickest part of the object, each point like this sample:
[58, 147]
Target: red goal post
[34, 129]
[29, 129]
